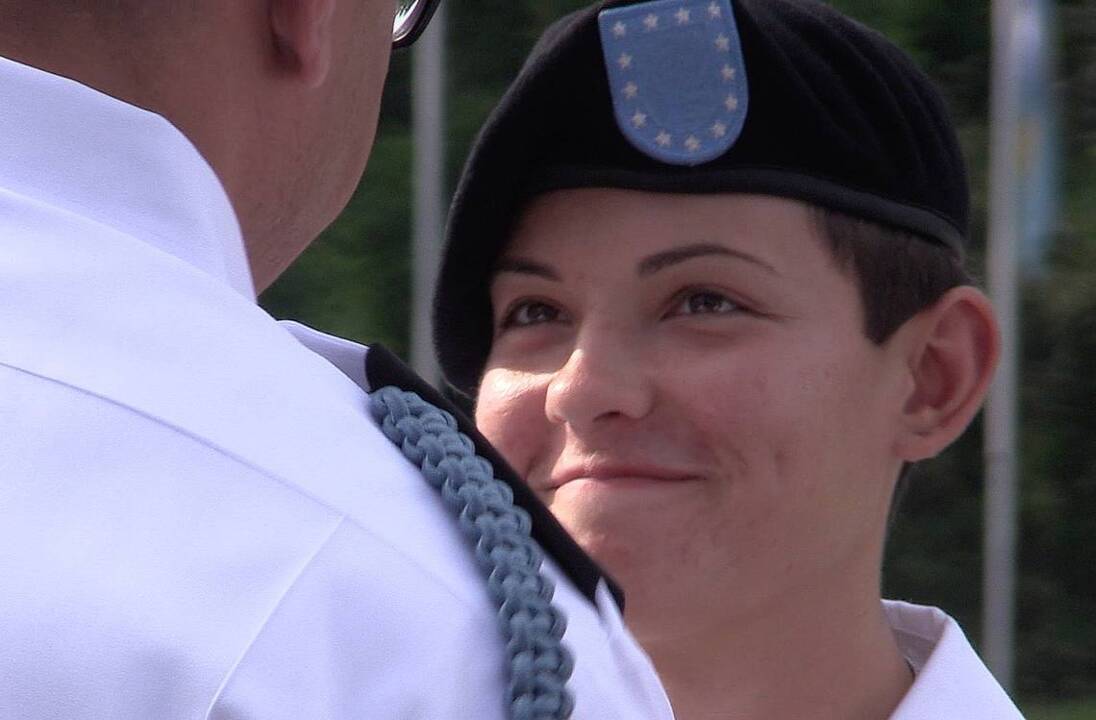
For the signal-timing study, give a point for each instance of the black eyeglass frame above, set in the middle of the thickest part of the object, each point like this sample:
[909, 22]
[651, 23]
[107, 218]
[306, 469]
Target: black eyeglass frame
[425, 11]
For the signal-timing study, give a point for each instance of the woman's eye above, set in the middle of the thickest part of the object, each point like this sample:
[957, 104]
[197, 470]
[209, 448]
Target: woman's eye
[705, 302]
[531, 312]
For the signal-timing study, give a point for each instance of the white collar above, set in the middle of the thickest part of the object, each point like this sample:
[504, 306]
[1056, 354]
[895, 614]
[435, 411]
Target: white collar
[951, 680]
[149, 323]
[124, 276]
[79, 150]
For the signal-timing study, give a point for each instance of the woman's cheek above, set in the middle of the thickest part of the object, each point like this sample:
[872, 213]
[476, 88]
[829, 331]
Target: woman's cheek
[510, 413]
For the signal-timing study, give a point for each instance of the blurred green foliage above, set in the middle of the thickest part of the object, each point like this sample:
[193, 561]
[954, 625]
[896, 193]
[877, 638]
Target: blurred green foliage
[355, 282]
[1069, 710]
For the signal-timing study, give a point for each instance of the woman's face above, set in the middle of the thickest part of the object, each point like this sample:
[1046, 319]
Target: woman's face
[685, 381]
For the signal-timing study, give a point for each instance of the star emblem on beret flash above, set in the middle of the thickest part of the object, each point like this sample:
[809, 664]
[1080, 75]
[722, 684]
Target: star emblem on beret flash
[629, 33]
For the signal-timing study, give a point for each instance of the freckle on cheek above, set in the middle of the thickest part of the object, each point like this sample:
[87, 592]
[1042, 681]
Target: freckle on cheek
[780, 462]
[760, 386]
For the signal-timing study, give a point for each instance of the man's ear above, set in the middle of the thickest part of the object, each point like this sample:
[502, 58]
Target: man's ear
[302, 33]
[951, 352]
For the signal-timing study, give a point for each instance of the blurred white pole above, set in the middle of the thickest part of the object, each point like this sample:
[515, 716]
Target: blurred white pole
[1000, 505]
[428, 187]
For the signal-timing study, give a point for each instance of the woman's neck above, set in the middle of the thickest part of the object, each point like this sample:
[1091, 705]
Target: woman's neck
[823, 653]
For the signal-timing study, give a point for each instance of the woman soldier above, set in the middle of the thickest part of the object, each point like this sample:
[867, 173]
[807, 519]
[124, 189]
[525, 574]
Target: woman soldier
[704, 282]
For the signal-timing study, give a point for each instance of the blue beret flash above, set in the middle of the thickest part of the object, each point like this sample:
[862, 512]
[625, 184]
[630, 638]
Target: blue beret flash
[677, 77]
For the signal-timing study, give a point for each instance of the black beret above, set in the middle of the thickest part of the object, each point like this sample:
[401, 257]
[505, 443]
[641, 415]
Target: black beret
[837, 116]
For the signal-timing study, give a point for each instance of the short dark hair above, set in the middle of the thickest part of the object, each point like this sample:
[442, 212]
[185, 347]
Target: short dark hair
[898, 272]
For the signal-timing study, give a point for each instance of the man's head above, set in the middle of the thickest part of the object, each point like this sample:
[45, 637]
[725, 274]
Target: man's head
[716, 244]
[280, 96]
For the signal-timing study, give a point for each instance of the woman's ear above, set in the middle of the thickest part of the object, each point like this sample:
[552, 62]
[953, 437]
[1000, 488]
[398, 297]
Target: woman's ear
[302, 36]
[951, 352]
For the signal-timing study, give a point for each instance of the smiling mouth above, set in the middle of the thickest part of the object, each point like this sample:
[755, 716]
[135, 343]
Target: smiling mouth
[619, 478]
[622, 482]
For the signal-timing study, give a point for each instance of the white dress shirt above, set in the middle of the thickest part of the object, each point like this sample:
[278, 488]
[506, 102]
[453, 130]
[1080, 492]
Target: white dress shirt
[198, 518]
[951, 681]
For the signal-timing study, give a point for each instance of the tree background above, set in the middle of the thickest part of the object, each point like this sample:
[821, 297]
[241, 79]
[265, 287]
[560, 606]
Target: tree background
[355, 282]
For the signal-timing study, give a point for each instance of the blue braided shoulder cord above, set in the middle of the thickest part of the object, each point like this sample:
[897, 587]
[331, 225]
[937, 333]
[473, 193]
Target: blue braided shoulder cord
[531, 625]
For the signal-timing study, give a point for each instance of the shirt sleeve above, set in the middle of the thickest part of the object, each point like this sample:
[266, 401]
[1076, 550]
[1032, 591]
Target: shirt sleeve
[363, 632]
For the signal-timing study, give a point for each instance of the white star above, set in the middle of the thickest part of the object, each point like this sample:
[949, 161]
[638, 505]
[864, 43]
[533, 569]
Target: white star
[728, 72]
[719, 129]
[731, 103]
[692, 143]
[723, 42]
[624, 61]
[639, 119]
[714, 11]
[631, 90]
[663, 139]
[682, 16]
[651, 21]
[620, 29]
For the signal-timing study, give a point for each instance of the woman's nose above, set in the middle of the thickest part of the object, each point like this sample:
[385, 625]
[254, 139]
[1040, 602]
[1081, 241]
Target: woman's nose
[599, 383]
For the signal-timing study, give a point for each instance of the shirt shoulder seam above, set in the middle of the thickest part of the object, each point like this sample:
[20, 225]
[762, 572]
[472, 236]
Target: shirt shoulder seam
[246, 650]
[266, 474]
[190, 435]
[344, 522]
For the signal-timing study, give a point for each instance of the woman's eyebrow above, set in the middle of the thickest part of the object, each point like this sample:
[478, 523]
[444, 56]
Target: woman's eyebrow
[521, 266]
[659, 261]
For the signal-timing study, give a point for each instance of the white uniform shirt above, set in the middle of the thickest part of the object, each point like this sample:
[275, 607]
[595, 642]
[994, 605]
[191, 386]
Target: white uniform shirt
[198, 518]
[951, 681]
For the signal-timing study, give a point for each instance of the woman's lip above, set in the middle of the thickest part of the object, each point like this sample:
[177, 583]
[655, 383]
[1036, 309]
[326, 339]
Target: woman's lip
[622, 477]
